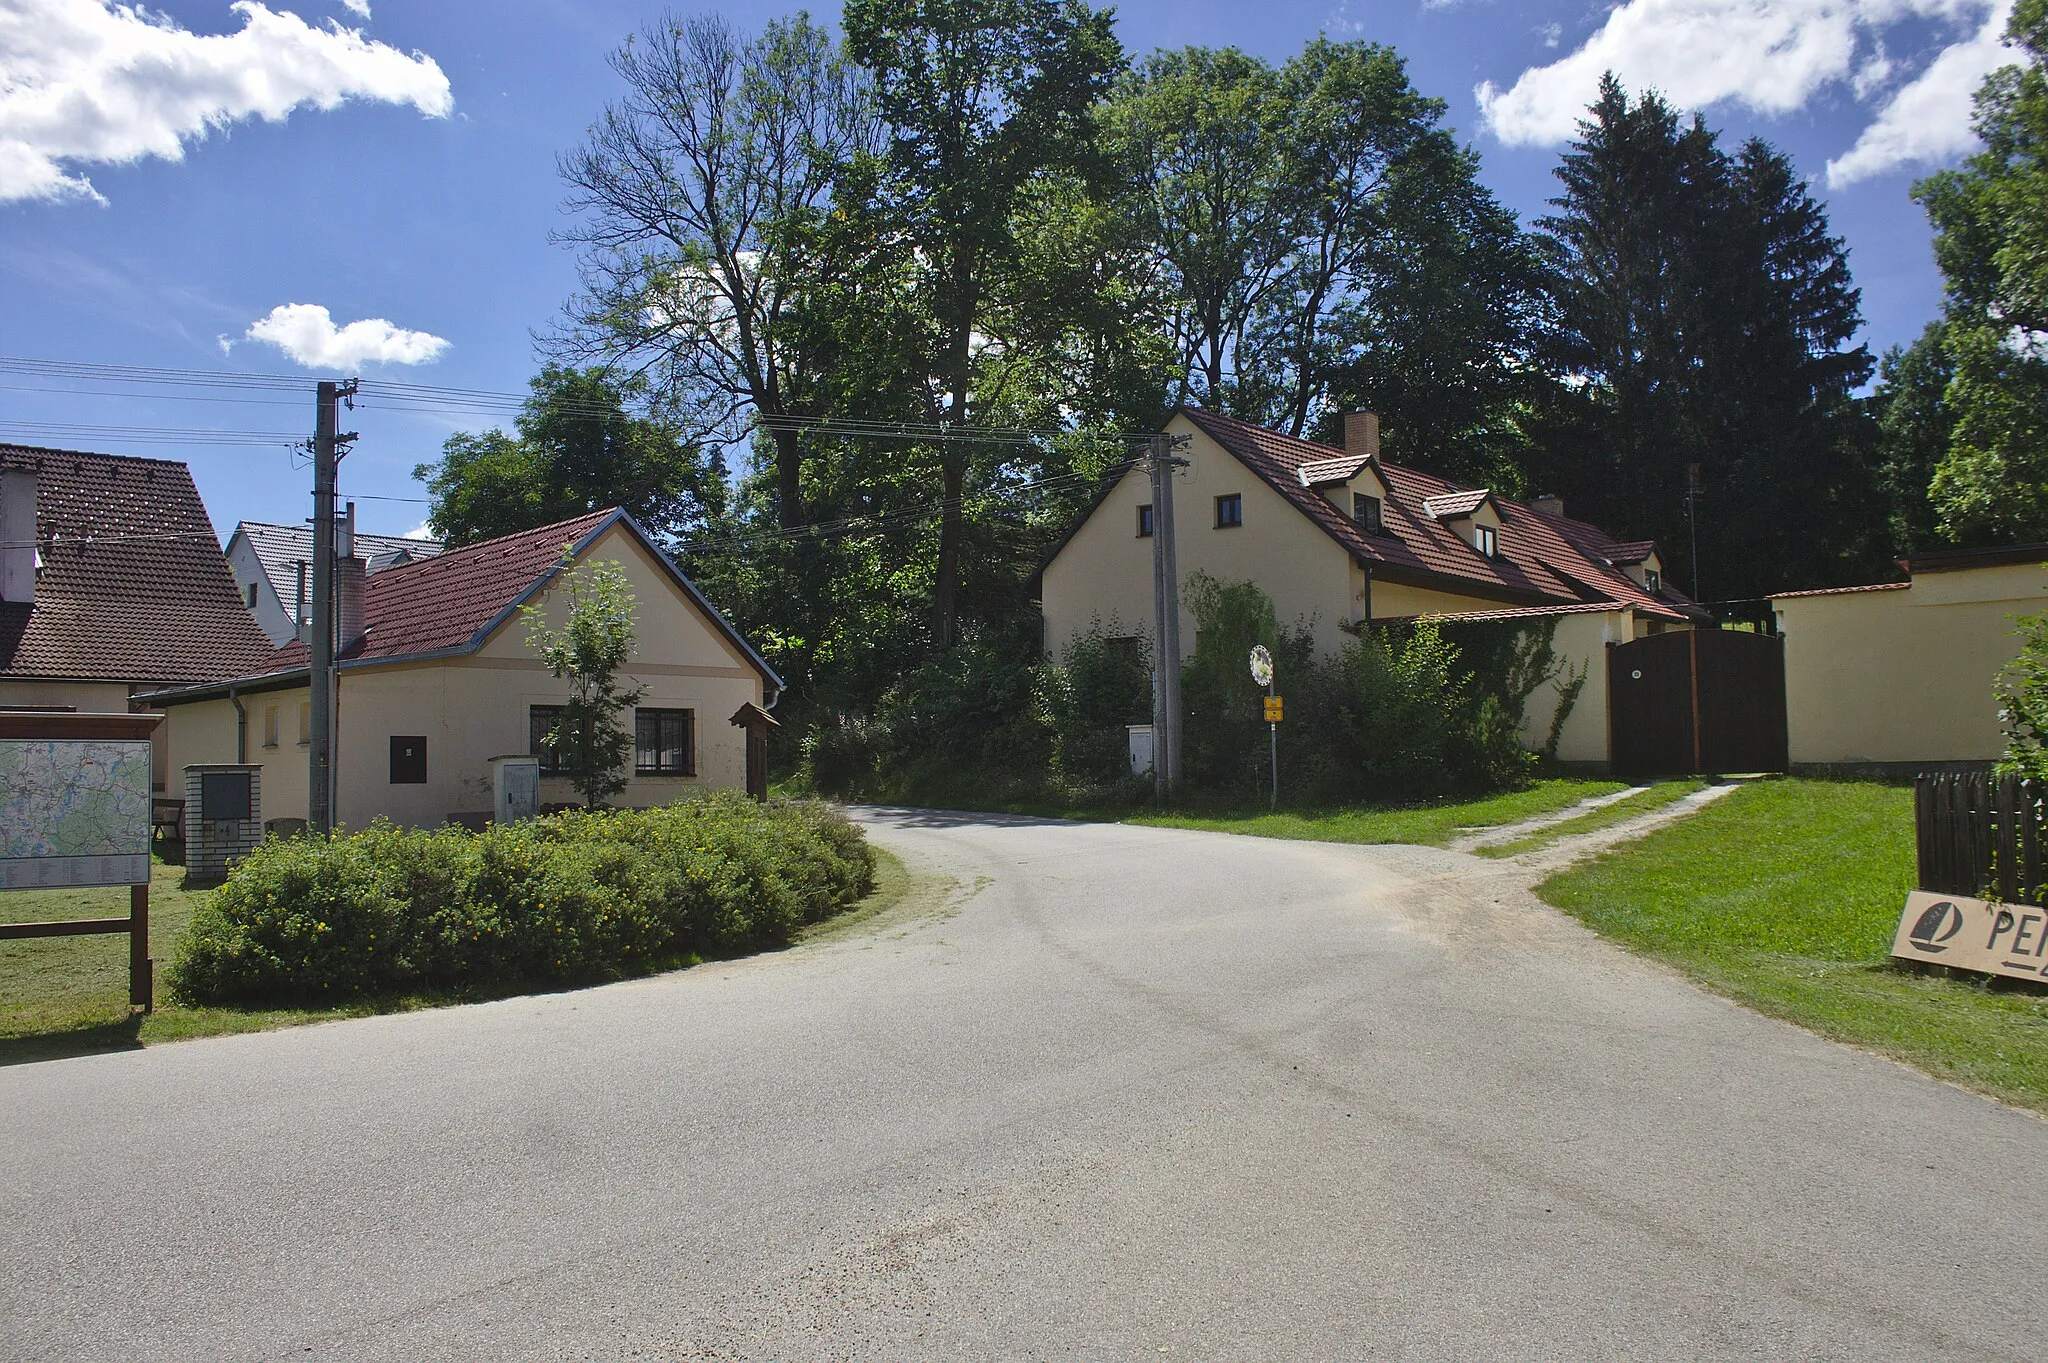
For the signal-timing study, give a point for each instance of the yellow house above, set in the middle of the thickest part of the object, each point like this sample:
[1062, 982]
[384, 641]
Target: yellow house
[1340, 539]
[434, 679]
[1900, 673]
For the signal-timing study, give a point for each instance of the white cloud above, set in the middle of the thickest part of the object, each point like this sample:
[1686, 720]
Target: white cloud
[423, 531]
[359, 8]
[93, 82]
[1928, 120]
[1770, 56]
[306, 333]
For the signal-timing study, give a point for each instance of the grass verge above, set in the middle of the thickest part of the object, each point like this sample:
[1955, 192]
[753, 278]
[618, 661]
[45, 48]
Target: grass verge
[68, 996]
[1593, 820]
[1433, 824]
[1784, 896]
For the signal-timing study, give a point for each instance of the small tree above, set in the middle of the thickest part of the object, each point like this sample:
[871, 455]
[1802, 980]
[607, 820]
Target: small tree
[2022, 691]
[588, 741]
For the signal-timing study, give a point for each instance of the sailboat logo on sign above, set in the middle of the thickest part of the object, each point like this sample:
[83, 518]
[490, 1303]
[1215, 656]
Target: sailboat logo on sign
[1937, 924]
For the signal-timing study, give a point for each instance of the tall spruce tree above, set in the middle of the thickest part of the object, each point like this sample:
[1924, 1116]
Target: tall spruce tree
[1704, 314]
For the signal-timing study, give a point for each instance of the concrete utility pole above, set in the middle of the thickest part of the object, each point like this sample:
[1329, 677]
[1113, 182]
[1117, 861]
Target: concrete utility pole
[1165, 621]
[327, 443]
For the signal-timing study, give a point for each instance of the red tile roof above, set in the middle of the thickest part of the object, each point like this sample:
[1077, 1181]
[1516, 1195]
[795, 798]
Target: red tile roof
[452, 602]
[1541, 559]
[1449, 506]
[133, 586]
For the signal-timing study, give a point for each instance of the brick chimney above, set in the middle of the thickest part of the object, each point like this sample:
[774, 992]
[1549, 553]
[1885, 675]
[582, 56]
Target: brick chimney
[1550, 504]
[18, 535]
[1362, 434]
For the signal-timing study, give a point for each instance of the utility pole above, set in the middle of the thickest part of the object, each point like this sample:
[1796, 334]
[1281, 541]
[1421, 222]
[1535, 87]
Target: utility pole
[1165, 621]
[327, 443]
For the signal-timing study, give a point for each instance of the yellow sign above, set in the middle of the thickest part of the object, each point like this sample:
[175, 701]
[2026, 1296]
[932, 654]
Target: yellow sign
[1974, 934]
[1272, 709]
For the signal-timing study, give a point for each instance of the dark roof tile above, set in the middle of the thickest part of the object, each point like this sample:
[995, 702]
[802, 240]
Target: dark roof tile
[133, 585]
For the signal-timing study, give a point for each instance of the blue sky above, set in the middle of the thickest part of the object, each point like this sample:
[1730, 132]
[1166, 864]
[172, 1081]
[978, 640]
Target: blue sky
[212, 173]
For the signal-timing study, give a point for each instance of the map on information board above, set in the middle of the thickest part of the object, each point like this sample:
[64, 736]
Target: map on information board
[73, 812]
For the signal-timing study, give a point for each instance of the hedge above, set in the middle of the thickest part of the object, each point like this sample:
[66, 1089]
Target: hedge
[569, 899]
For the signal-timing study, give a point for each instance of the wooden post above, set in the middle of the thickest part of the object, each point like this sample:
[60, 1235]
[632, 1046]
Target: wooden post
[141, 969]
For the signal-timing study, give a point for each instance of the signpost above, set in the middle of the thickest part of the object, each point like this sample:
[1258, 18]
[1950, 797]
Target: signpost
[75, 811]
[1262, 673]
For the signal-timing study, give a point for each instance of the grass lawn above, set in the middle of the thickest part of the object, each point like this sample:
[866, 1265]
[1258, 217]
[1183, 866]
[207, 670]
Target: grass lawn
[69, 995]
[1784, 896]
[1593, 820]
[1434, 824]
[64, 996]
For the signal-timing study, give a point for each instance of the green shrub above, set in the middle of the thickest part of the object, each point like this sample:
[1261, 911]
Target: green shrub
[1087, 703]
[568, 899]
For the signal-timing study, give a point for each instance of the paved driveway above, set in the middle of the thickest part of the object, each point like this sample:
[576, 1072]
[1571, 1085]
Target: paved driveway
[1127, 1093]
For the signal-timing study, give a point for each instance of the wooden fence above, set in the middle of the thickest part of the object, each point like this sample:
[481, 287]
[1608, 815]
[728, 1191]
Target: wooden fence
[1980, 835]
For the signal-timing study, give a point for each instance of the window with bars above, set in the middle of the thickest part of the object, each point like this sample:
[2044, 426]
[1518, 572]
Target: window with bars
[540, 722]
[662, 743]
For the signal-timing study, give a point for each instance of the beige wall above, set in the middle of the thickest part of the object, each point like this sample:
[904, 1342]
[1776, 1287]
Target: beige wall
[474, 707]
[1904, 676]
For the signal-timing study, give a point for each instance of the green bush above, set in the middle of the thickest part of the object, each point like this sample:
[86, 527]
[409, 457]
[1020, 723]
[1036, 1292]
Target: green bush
[1087, 703]
[568, 899]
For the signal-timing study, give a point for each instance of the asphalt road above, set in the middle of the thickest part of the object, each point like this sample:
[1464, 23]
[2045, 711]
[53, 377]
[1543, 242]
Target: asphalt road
[1129, 1093]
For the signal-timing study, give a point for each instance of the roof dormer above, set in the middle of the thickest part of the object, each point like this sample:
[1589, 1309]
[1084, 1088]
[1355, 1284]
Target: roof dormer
[1472, 515]
[1353, 485]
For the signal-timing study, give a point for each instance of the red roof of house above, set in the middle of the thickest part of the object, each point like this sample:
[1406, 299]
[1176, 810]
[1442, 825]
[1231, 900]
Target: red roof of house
[1542, 559]
[451, 603]
[133, 586]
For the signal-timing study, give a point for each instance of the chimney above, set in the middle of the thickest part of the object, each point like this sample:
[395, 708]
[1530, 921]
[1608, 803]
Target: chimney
[1362, 434]
[348, 603]
[1550, 504]
[18, 535]
[345, 534]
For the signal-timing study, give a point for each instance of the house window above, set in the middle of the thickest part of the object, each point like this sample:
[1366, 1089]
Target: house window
[1653, 580]
[1145, 521]
[408, 759]
[1229, 510]
[540, 722]
[1485, 541]
[1366, 511]
[661, 743]
[252, 596]
[270, 726]
[305, 723]
[1123, 648]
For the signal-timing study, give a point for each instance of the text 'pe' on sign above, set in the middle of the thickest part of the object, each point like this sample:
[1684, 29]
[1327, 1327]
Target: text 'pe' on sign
[1974, 934]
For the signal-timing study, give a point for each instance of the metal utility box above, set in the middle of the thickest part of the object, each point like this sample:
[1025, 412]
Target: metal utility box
[1141, 749]
[515, 787]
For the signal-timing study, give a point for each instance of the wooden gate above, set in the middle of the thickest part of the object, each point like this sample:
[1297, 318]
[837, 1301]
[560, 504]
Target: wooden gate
[1697, 702]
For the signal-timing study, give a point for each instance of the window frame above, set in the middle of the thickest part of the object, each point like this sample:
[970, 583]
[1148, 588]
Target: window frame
[1235, 502]
[658, 713]
[550, 760]
[1653, 580]
[1486, 540]
[1145, 521]
[270, 726]
[1374, 524]
[252, 594]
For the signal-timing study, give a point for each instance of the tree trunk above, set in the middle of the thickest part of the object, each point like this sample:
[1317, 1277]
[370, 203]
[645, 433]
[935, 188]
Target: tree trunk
[946, 591]
[789, 463]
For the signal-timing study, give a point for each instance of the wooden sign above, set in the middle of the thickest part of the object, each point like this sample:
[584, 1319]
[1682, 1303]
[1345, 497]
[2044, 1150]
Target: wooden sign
[1974, 934]
[1272, 709]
